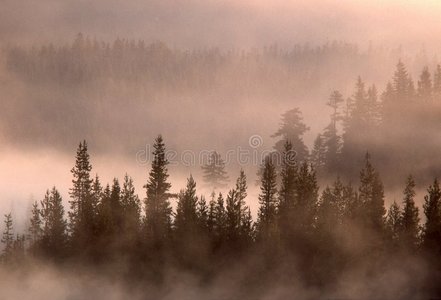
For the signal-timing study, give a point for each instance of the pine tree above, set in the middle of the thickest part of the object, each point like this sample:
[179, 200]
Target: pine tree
[410, 217]
[130, 204]
[220, 221]
[35, 230]
[157, 205]
[82, 213]
[394, 224]
[247, 228]
[425, 85]
[287, 192]
[111, 212]
[432, 227]
[357, 123]
[332, 141]
[186, 221]
[307, 198]
[371, 196]
[331, 207]
[402, 83]
[266, 219]
[54, 236]
[211, 217]
[215, 175]
[202, 213]
[8, 239]
[292, 129]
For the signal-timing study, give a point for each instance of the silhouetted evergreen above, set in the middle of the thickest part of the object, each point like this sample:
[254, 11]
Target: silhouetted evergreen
[292, 129]
[215, 175]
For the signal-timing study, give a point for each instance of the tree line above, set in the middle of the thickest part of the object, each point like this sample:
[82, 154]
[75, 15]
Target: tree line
[319, 233]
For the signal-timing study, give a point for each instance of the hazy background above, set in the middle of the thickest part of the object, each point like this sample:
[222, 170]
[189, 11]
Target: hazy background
[36, 154]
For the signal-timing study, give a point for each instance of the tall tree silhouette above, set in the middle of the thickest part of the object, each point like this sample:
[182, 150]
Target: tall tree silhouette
[54, 237]
[432, 227]
[34, 230]
[266, 220]
[157, 205]
[292, 129]
[410, 217]
[8, 239]
[425, 86]
[82, 213]
[332, 141]
[287, 192]
[371, 196]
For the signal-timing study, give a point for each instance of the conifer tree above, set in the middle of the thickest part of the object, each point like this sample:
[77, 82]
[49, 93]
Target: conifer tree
[292, 129]
[130, 204]
[402, 83]
[410, 217]
[332, 141]
[186, 221]
[287, 192]
[211, 217]
[82, 213]
[371, 196]
[35, 230]
[394, 224]
[8, 239]
[220, 221]
[54, 236]
[266, 220]
[425, 85]
[202, 213]
[157, 205]
[111, 212]
[432, 227]
[215, 175]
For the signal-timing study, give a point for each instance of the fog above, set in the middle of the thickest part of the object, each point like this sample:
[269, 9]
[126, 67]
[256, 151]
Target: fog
[226, 23]
[206, 75]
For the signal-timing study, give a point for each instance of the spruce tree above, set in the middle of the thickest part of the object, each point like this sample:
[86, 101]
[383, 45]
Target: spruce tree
[202, 213]
[332, 141]
[82, 213]
[186, 221]
[306, 200]
[157, 206]
[35, 230]
[266, 220]
[410, 217]
[130, 204]
[371, 196]
[402, 83]
[432, 227]
[425, 85]
[394, 224]
[215, 176]
[292, 129]
[54, 236]
[8, 239]
[287, 192]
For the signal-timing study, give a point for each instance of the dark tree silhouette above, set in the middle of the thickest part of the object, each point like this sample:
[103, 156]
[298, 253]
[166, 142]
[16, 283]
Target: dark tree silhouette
[157, 206]
[292, 129]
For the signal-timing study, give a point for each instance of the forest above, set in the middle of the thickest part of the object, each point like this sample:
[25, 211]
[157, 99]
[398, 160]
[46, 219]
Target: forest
[320, 222]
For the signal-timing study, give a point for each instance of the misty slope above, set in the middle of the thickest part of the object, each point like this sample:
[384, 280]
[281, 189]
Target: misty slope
[121, 94]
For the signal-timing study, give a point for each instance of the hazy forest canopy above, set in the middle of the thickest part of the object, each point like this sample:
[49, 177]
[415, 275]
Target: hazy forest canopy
[224, 149]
